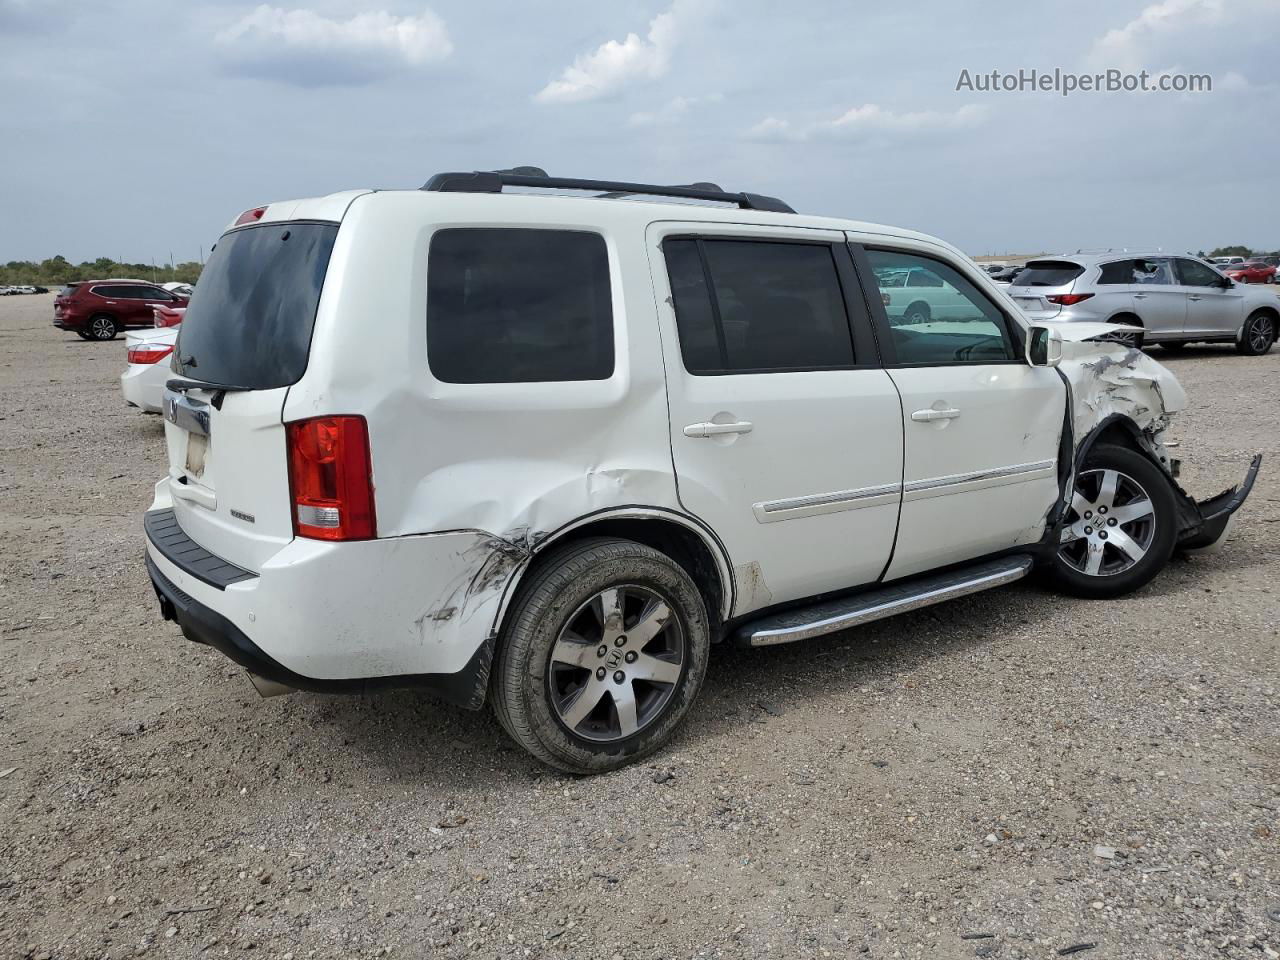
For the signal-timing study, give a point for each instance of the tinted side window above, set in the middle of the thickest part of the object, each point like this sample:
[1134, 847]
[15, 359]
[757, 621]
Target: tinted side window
[1194, 274]
[945, 324]
[695, 315]
[770, 306]
[1117, 272]
[924, 278]
[518, 306]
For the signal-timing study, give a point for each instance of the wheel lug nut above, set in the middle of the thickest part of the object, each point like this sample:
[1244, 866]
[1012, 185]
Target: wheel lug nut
[1088, 514]
[604, 648]
[631, 656]
[1111, 521]
[1102, 534]
[1088, 531]
[1102, 509]
[619, 677]
[621, 641]
[600, 673]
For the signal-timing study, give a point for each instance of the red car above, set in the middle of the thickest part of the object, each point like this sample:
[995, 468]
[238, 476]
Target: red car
[101, 309]
[1251, 271]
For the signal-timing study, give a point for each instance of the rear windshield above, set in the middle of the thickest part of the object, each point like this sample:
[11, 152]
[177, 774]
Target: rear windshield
[250, 318]
[1049, 273]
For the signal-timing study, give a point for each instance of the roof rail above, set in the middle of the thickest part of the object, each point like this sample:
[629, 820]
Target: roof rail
[492, 181]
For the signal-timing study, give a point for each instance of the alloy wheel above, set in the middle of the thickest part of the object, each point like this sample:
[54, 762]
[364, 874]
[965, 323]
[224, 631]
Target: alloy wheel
[103, 328]
[616, 663]
[1111, 524]
[1260, 334]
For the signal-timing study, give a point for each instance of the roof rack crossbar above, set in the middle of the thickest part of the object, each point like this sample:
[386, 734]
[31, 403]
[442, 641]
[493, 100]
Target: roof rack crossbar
[492, 181]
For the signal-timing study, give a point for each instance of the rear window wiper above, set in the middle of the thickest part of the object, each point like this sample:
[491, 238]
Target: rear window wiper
[182, 385]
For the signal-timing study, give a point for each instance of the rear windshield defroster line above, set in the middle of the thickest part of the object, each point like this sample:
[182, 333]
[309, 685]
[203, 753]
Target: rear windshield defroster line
[253, 310]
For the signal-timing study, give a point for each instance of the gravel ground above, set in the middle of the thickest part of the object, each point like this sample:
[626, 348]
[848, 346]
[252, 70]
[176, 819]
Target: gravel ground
[1006, 776]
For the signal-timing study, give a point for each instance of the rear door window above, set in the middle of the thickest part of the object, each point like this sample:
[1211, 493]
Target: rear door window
[510, 305]
[758, 306]
[1049, 273]
[249, 322]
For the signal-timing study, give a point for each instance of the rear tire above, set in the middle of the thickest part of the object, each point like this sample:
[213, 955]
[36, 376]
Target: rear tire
[917, 313]
[103, 327]
[1120, 528]
[1257, 335]
[602, 655]
[1134, 340]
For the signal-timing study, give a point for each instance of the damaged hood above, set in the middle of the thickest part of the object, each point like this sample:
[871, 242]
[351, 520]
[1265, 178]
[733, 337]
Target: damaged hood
[1108, 378]
[1080, 332]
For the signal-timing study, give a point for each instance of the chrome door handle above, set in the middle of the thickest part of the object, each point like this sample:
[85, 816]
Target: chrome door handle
[927, 416]
[699, 430]
[1193, 297]
[1139, 296]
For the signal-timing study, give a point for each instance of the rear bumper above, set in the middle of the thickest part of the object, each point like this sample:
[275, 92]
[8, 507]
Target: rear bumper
[142, 385]
[202, 624]
[340, 617]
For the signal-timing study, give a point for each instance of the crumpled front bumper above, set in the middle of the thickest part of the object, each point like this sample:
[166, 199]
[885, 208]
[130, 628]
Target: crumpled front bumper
[1205, 523]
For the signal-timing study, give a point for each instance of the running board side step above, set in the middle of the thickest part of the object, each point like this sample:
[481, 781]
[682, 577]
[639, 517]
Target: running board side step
[887, 601]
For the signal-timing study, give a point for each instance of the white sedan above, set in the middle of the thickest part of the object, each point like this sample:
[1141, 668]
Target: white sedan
[142, 382]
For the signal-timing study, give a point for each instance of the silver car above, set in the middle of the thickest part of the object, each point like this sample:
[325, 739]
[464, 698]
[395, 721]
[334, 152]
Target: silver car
[1176, 300]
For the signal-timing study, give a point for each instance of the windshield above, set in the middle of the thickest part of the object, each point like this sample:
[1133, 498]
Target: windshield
[250, 317]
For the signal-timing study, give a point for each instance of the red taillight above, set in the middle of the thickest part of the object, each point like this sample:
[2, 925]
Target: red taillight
[1068, 299]
[250, 216]
[148, 353]
[331, 479]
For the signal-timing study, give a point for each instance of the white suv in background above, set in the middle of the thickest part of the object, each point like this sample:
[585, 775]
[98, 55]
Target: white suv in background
[545, 450]
[1176, 300]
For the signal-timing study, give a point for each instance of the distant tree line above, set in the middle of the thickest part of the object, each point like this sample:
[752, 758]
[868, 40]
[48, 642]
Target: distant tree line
[58, 270]
[1239, 251]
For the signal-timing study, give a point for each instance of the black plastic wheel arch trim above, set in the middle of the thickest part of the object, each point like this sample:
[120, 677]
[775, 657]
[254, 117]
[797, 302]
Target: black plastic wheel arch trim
[200, 624]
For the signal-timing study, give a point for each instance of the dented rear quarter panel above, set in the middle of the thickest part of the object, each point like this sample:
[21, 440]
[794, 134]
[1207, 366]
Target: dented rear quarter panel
[510, 463]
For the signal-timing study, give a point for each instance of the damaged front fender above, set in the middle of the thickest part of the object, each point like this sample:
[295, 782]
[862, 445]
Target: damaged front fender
[1116, 387]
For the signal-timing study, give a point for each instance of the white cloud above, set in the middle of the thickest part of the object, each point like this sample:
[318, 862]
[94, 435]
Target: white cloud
[1172, 22]
[359, 47]
[614, 65]
[872, 120]
[672, 111]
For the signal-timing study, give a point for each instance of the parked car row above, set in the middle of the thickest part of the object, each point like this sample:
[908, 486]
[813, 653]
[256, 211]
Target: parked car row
[25, 288]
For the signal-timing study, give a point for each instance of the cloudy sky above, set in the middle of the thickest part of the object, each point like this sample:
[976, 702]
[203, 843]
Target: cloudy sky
[133, 128]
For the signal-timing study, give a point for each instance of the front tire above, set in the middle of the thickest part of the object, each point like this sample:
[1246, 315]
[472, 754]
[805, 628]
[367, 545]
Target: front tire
[1257, 335]
[604, 650]
[1121, 526]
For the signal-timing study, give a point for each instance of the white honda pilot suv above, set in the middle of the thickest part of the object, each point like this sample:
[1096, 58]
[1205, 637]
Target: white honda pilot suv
[545, 447]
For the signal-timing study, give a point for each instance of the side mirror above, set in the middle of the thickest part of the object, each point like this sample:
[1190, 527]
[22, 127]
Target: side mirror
[1044, 347]
[1226, 283]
